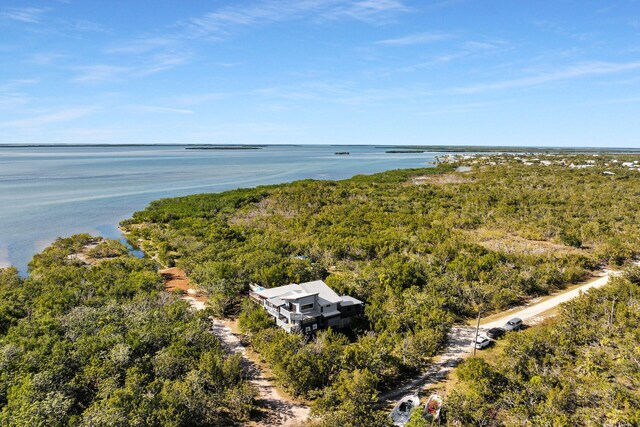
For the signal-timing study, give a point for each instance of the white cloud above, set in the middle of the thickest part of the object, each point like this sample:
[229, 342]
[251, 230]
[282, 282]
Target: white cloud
[415, 39]
[55, 117]
[219, 23]
[156, 109]
[44, 58]
[142, 45]
[13, 84]
[10, 94]
[161, 62]
[455, 109]
[30, 15]
[100, 73]
[575, 71]
[202, 98]
[85, 26]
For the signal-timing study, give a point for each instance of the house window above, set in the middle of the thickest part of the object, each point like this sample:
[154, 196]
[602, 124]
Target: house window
[315, 326]
[306, 307]
[307, 329]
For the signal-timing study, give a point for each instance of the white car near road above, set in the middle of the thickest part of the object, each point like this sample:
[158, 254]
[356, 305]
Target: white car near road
[482, 341]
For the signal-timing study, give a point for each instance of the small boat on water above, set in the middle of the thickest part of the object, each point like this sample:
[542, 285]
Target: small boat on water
[402, 411]
[433, 406]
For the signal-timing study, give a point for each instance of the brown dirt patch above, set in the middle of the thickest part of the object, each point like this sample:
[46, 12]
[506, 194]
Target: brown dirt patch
[176, 279]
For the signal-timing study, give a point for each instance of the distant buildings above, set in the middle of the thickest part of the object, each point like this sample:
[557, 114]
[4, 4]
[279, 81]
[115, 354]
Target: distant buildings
[307, 307]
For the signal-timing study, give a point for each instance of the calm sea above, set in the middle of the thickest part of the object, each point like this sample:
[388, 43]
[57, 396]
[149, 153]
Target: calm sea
[58, 191]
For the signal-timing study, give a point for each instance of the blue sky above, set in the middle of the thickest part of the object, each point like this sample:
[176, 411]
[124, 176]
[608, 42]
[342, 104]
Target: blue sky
[510, 72]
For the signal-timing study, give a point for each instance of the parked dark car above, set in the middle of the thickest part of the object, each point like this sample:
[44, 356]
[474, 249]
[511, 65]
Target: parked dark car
[514, 324]
[495, 333]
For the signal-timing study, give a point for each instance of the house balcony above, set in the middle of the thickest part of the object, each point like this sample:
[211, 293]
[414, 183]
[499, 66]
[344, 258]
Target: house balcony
[286, 326]
[290, 315]
[256, 298]
[272, 311]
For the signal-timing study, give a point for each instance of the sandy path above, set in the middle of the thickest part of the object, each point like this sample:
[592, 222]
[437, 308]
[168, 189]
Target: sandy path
[458, 346]
[460, 341]
[278, 410]
[281, 412]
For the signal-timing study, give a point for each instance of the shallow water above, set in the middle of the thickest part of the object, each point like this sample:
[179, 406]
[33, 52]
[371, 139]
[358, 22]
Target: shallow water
[47, 192]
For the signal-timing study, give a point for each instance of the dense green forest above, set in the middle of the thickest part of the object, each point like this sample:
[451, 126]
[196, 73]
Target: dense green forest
[90, 339]
[423, 248]
[581, 369]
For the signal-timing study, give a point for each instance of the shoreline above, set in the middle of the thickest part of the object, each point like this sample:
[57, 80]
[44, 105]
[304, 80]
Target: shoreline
[72, 197]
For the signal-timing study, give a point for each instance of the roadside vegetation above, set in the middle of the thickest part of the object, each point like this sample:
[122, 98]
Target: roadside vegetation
[581, 368]
[422, 248]
[100, 344]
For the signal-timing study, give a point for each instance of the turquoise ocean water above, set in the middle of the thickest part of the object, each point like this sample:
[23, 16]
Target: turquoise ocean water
[49, 192]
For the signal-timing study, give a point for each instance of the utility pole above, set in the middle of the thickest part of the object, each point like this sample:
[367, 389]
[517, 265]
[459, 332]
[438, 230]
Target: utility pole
[477, 331]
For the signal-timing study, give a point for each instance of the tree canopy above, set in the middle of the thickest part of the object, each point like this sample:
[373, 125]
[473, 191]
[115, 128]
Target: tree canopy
[102, 344]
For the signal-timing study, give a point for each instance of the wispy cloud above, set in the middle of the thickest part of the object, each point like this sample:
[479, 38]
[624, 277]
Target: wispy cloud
[576, 71]
[201, 98]
[45, 119]
[468, 49]
[143, 45]
[326, 92]
[16, 83]
[84, 26]
[11, 95]
[368, 11]
[219, 23]
[100, 73]
[414, 39]
[44, 58]
[12, 100]
[156, 109]
[161, 62]
[31, 15]
[455, 109]
[344, 93]
[563, 31]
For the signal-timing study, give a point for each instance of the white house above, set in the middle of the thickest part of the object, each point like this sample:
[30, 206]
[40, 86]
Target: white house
[307, 307]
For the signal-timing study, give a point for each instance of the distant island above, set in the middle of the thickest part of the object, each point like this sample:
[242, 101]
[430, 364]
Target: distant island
[225, 147]
[405, 151]
[342, 153]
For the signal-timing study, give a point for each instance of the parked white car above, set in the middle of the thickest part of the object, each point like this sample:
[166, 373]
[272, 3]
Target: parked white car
[482, 342]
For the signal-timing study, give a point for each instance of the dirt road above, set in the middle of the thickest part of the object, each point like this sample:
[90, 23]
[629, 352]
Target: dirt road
[277, 410]
[460, 341]
[282, 412]
[458, 346]
[532, 312]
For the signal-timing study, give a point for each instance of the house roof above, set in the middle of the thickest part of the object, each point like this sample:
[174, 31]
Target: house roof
[347, 300]
[323, 291]
[276, 292]
[297, 295]
[276, 301]
[326, 295]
